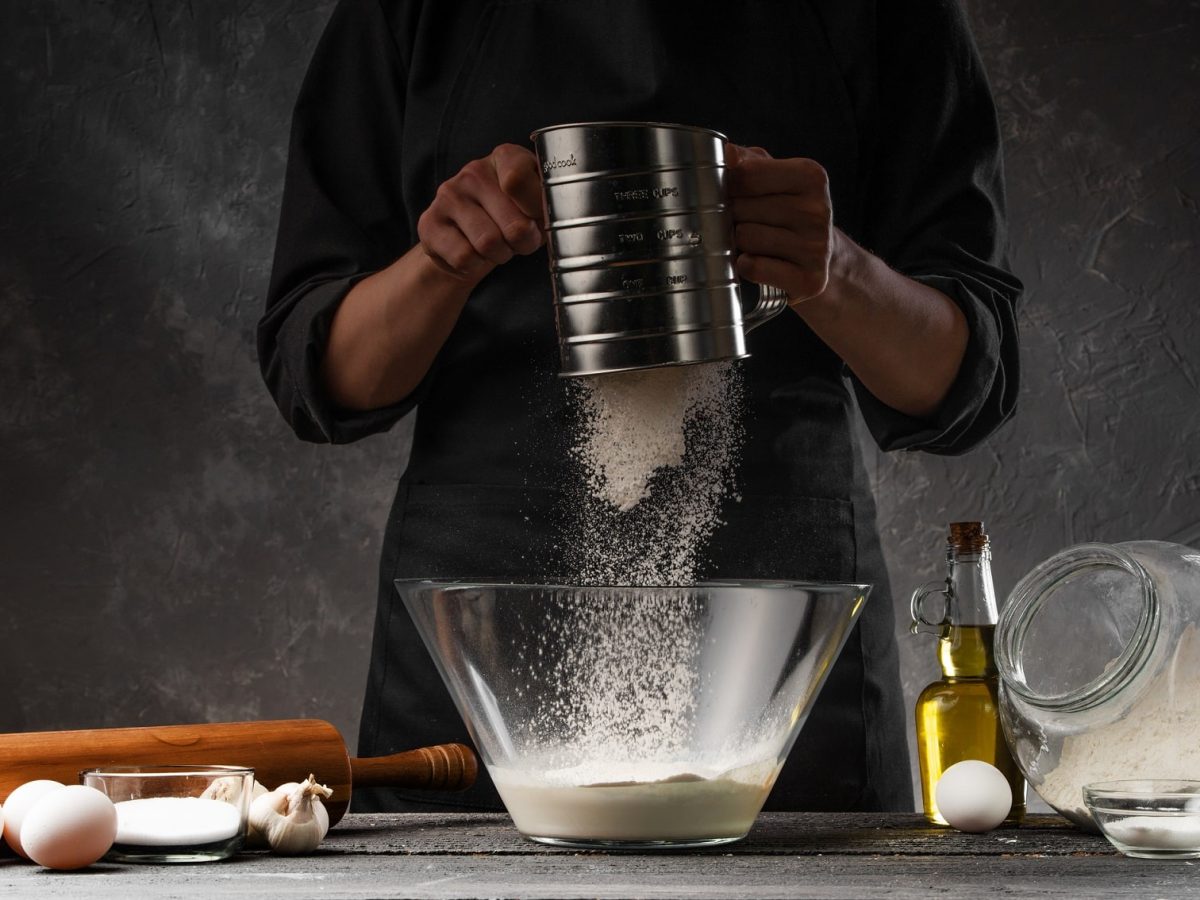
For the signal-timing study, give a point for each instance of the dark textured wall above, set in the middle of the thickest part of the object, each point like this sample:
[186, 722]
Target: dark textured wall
[1100, 108]
[171, 553]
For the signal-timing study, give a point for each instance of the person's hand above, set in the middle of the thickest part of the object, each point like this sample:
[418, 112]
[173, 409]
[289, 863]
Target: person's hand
[783, 220]
[486, 214]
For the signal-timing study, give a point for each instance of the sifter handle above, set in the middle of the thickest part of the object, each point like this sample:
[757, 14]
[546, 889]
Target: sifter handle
[443, 767]
[771, 302]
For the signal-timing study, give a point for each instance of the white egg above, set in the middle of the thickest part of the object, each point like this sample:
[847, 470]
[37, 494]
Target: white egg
[19, 803]
[70, 828]
[973, 796]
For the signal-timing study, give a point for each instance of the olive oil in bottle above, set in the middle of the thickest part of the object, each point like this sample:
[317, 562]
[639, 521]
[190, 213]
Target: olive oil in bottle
[957, 716]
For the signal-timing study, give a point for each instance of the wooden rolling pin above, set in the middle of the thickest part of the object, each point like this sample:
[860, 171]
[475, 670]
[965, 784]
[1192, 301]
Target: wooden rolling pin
[279, 751]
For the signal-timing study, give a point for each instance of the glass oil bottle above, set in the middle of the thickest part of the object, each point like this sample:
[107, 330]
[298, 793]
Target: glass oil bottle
[957, 716]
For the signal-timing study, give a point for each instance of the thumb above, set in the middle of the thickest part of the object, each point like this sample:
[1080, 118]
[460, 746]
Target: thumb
[517, 174]
[736, 153]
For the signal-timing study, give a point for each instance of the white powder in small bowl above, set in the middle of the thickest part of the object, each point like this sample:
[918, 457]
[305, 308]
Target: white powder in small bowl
[1156, 832]
[175, 821]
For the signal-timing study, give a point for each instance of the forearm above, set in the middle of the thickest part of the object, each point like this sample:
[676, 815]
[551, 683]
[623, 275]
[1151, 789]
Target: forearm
[903, 339]
[388, 330]
[391, 325]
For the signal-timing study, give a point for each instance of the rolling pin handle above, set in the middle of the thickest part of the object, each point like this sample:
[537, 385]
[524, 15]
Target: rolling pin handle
[443, 767]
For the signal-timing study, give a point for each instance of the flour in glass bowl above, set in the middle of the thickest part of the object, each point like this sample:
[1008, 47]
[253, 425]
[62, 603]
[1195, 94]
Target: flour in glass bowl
[652, 803]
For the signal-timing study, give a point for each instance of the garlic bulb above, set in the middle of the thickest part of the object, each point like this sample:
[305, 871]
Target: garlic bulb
[292, 817]
[318, 807]
[257, 840]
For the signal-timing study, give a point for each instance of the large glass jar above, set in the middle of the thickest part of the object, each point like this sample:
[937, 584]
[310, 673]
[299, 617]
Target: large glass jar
[1099, 655]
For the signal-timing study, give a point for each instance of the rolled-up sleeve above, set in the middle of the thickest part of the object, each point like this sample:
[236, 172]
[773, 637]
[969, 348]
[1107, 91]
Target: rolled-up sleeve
[935, 211]
[342, 217]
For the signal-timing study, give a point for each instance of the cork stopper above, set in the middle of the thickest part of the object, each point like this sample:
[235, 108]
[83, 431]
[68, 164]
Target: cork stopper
[967, 537]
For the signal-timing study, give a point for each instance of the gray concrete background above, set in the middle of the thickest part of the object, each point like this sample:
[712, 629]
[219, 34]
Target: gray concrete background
[169, 553]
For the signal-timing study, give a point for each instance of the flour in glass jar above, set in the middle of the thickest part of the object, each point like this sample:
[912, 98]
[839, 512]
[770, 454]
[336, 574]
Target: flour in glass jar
[1159, 738]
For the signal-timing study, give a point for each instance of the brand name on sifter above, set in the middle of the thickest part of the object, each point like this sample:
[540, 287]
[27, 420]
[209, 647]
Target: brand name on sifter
[556, 163]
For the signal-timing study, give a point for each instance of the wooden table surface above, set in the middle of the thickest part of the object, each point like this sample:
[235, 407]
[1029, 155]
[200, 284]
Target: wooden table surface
[786, 855]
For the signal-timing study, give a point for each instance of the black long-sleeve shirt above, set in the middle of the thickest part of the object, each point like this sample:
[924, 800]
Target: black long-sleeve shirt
[888, 95]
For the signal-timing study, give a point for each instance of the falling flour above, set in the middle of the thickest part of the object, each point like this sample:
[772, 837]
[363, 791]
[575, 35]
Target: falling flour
[658, 450]
[599, 699]
[610, 748]
[635, 426]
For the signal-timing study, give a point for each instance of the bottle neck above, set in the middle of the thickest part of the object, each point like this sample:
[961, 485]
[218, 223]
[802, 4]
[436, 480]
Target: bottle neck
[965, 647]
[972, 596]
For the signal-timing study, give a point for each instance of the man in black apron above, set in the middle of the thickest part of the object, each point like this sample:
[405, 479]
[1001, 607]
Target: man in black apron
[366, 322]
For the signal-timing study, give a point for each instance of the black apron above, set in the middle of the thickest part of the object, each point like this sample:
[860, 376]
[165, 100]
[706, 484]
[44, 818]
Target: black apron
[493, 426]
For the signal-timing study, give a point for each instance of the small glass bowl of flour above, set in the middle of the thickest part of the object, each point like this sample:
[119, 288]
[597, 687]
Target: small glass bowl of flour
[1148, 818]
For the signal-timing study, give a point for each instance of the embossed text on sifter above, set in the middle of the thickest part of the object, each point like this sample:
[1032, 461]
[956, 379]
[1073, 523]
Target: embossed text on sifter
[641, 247]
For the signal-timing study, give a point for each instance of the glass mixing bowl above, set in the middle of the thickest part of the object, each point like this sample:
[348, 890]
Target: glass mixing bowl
[628, 716]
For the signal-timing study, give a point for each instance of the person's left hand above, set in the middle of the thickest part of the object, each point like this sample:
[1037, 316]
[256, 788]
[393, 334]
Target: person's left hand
[783, 220]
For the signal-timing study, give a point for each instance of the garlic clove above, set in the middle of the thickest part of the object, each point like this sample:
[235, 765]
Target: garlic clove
[263, 810]
[227, 789]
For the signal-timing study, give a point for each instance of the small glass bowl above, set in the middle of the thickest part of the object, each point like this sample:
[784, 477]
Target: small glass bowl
[1148, 818]
[175, 814]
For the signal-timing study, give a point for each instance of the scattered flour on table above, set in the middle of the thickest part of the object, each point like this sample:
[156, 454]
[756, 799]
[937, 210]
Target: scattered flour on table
[658, 449]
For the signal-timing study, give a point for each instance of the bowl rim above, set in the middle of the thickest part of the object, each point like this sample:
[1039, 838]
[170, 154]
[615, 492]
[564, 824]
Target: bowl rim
[165, 770]
[558, 584]
[1153, 788]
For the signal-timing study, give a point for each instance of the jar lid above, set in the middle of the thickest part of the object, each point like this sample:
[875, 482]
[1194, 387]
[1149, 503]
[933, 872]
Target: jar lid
[1077, 628]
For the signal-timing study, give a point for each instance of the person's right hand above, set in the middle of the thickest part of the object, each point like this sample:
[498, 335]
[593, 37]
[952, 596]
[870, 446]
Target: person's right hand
[483, 216]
